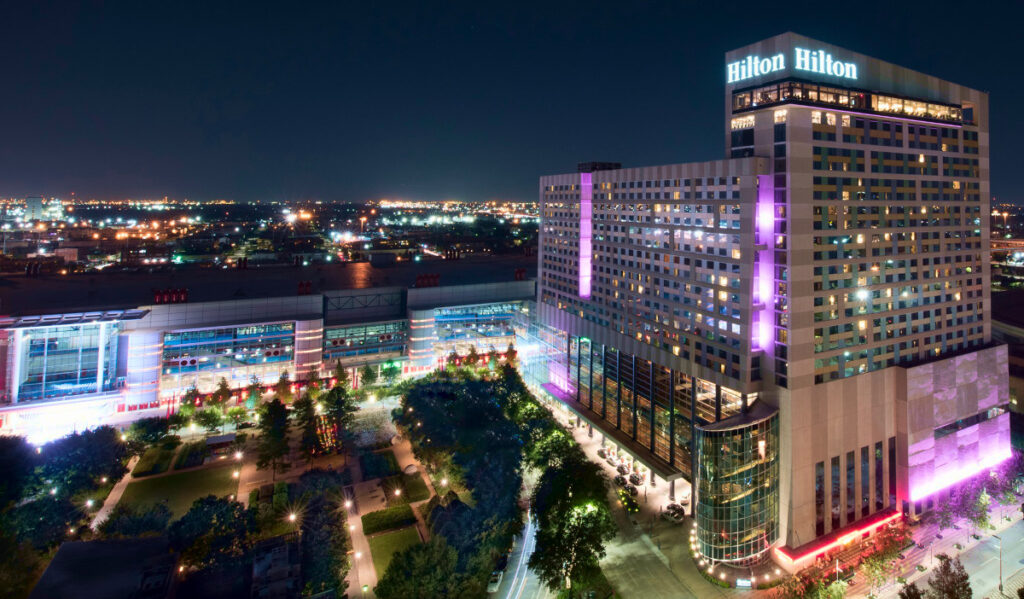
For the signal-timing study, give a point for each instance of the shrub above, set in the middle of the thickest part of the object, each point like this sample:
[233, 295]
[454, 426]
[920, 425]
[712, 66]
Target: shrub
[254, 497]
[280, 502]
[378, 465]
[191, 455]
[154, 461]
[415, 488]
[170, 442]
[391, 518]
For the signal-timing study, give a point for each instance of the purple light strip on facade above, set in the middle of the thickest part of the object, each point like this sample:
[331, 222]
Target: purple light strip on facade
[586, 226]
[935, 483]
[764, 223]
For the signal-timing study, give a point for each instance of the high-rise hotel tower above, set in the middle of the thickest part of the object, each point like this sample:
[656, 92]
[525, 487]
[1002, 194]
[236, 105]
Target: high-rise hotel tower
[801, 330]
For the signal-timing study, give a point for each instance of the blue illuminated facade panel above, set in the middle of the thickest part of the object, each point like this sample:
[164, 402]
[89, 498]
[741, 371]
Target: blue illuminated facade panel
[227, 348]
[66, 360]
[365, 340]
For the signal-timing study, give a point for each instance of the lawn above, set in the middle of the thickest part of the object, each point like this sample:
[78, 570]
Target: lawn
[180, 490]
[154, 461]
[385, 545]
[378, 465]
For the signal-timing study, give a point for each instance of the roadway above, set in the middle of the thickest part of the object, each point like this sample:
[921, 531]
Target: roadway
[519, 581]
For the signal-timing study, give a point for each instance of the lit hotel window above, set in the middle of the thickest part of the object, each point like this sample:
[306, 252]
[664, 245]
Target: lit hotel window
[780, 116]
[816, 117]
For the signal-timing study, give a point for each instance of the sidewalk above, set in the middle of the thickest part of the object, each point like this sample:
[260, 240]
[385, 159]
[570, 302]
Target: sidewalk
[114, 496]
[979, 557]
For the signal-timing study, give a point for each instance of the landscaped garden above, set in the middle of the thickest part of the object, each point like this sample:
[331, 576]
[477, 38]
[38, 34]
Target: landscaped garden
[181, 489]
[385, 545]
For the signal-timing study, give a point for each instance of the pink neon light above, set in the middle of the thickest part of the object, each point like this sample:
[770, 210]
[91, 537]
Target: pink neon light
[935, 484]
[764, 222]
[586, 227]
[843, 540]
[558, 375]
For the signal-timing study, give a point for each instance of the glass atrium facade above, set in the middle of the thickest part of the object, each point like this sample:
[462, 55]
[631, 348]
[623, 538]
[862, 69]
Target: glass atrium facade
[67, 360]
[738, 487]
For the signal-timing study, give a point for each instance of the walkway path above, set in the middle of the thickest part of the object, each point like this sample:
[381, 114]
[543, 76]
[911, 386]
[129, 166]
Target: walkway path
[980, 557]
[114, 496]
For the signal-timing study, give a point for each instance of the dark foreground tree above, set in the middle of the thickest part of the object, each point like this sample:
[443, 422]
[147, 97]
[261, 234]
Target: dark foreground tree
[573, 523]
[17, 462]
[950, 580]
[273, 440]
[421, 572]
[367, 376]
[305, 421]
[214, 531]
[283, 388]
[339, 407]
[18, 569]
[128, 521]
[911, 591]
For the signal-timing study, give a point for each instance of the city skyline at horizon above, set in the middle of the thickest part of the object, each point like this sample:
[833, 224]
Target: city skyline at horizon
[425, 104]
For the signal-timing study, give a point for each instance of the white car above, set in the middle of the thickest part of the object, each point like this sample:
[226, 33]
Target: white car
[495, 581]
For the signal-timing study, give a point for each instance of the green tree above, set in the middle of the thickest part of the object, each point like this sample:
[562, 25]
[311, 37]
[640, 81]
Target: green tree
[191, 397]
[214, 531]
[367, 376]
[573, 523]
[945, 514]
[978, 511]
[254, 393]
[17, 463]
[835, 589]
[313, 383]
[273, 439]
[211, 418]
[76, 462]
[472, 357]
[148, 430]
[20, 566]
[339, 408]
[877, 568]
[911, 591]
[422, 571]
[130, 521]
[390, 372]
[492, 359]
[511, 354]
[221, 395]
[283, 388]
[340, 374]
[949, 580]
[305, 421]
[177, 421]
[237, 415]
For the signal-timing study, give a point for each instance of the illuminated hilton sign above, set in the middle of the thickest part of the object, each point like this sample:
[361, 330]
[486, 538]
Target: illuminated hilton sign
[814, 61]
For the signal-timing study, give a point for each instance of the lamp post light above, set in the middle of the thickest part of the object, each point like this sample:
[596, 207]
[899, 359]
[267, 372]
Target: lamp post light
[998, 538]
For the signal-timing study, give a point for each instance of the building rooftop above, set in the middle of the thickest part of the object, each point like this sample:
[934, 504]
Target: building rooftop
[137, 568]
[22, 296]
[1006, 307]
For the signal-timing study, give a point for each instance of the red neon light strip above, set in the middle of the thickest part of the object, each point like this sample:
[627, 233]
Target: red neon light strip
[843, 540]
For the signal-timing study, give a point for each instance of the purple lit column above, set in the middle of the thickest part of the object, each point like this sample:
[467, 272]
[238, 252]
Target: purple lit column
[586, 224]
[764, 227]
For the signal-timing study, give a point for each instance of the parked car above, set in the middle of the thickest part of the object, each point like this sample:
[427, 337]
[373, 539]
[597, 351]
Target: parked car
[494, 582]
[636, 479]
[601, 453]
[632, 490]
[675, 508]
[623, 469]
[620, 480]
[673, 517]
[610, 460]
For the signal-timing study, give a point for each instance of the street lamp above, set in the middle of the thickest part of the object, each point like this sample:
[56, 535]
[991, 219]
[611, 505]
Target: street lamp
[1000, 562]
[291, 517]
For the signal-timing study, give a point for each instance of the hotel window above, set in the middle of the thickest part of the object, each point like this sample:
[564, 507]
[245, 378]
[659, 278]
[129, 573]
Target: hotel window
[892, 471]
[835, 492]
[780, 116]
[742, 122]
[851, 483]
[830, 118]
[816, 117]
[819, 498]
[846, 120]
[865, 481]
[879, 484]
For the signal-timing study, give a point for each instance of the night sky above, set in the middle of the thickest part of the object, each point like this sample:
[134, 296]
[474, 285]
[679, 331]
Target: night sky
[359, 100]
